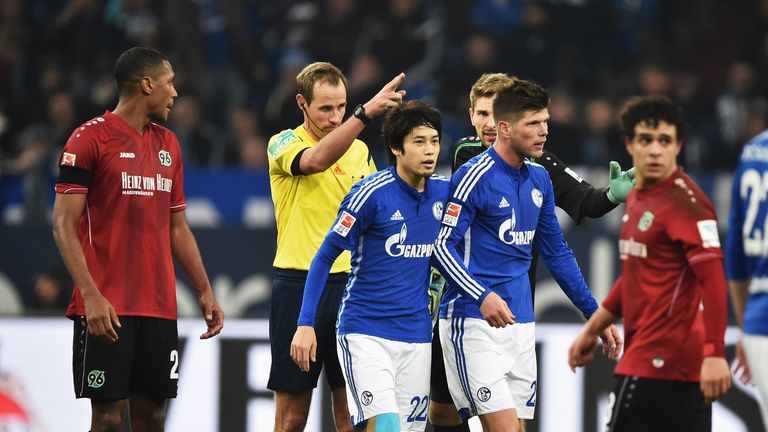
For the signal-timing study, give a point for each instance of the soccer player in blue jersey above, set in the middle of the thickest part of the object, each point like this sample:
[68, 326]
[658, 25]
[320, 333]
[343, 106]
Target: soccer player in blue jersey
[389, 221]
[746, 263]
[497, 202]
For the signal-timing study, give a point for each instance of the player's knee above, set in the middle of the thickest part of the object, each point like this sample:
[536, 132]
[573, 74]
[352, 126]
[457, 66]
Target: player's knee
[290, 421]
[107, 421]
[443, 414]
[157, 420]
[388, 422]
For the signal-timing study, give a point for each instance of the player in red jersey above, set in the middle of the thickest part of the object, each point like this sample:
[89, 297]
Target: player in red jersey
[671, 263]
[118, 219]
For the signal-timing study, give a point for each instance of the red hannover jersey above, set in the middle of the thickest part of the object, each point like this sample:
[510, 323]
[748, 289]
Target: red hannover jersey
[667, 229]
[133, 184]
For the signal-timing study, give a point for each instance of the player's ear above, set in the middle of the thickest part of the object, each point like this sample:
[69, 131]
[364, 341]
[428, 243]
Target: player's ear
[145, 85]
[301, 102]
[502, 127]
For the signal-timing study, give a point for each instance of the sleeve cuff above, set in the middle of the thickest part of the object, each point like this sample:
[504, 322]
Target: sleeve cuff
[611, 198]
[482, 297]
[713, 350]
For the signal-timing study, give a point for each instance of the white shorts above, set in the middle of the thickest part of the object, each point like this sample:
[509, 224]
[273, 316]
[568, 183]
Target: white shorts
[385, 376]
[489, 369]
[756, 348]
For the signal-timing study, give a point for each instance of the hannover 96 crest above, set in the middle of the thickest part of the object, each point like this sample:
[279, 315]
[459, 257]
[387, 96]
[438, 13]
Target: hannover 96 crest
[646, 220]
[165, 158]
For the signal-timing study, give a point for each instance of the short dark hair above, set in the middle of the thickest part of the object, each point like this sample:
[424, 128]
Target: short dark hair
[315, 73]
[136, 63]
[400, 121]
[652, 110]
[518, 97]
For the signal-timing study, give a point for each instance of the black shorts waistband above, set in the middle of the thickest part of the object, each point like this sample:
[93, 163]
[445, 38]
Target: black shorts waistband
[301, 275]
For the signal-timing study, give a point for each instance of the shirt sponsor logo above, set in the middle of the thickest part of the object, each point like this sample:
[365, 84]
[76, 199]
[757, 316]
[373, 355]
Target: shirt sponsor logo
[165, 158]
[646, 220]
[630, 247]
[127, 155]
[708, 233]
[537, 197]
[508, 235]
[437, 210]
[344, 224]
[143, 185]
[395, 247]
[68, 159]
[451, 216]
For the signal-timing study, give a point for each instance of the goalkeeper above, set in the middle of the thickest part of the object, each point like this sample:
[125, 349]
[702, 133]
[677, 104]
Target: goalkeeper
[572, 194]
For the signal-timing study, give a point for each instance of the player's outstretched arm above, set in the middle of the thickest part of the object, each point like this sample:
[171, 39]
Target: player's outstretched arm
[184, 248]
[332, 146]
[99, 313]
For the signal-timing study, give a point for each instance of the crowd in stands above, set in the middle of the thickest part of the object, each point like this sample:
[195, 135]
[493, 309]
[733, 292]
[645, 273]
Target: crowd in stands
[236, 62]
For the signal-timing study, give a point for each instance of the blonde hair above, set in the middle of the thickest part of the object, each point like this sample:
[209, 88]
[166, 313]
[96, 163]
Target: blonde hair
[488, 85]
[315, 73]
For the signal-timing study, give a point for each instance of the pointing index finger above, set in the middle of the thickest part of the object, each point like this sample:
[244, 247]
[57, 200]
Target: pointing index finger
[395, 83]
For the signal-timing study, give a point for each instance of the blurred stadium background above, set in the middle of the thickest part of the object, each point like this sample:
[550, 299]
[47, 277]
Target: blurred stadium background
[236, 61]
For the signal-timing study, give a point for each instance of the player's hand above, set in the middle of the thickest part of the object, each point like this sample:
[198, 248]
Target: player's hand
[582, 350]
[388, 97]
[740, 366]
[101, 317]
[496, 312]
[213, 315]
[715, 378]
[619, 182]
[436, 283]
[304, 347]
[612, 342]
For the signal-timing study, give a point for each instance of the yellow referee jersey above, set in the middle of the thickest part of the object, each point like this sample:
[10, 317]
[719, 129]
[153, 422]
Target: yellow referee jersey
[306, 205]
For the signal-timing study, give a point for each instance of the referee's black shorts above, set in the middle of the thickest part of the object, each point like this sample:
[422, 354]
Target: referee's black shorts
[287, 294]
[642, 404]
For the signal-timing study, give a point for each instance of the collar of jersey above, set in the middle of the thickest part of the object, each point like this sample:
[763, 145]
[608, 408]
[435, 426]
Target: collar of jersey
[410, 190]
[662, 185]
[522, 172]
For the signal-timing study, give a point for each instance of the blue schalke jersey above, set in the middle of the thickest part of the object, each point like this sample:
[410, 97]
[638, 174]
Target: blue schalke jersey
[494, 214]
[391, 228]
[746, 246]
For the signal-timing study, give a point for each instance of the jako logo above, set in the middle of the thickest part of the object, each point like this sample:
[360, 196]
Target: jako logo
[127, 155]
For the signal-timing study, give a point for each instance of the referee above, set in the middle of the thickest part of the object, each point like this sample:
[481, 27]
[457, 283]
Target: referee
[311, 169]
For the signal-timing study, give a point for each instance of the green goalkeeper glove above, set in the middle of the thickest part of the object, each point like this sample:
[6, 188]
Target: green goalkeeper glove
[436, 282]
[619, 183]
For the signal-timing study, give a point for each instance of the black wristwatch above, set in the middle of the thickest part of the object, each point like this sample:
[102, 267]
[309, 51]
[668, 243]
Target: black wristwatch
[359, 112]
